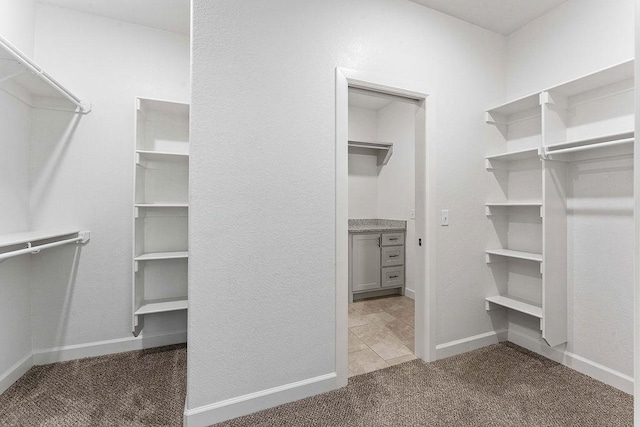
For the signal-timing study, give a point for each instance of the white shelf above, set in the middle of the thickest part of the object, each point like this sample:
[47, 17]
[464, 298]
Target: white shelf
[25, 79]
[608, 76]
[514, 155]
[162, 205]
[162, 255]
[161, 155]
[519, 105]
[32, 236]
[162, 306]
[516, 304]
[522, 203]
[530, 256]
[383, 150]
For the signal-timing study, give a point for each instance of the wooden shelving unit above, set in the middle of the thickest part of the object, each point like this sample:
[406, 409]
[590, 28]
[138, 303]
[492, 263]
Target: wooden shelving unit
[587, 118]
[161, 251]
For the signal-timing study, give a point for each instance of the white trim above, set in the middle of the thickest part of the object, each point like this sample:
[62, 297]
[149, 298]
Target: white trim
[101, 348]
[425, 221]
[410, 293]
[14, 373]
[578, 363]
[249, 403]
[475, 342]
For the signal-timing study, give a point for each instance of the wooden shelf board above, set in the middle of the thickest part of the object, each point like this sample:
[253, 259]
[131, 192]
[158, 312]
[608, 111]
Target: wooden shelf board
[514, 155]
[515, 254]
[31, 236]
[162, 306]
[516, 304]
[162, 255]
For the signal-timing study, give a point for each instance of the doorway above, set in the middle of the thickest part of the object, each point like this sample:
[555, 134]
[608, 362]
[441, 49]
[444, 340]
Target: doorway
[419, 228]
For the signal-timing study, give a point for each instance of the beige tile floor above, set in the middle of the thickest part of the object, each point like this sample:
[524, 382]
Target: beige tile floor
[381, 333]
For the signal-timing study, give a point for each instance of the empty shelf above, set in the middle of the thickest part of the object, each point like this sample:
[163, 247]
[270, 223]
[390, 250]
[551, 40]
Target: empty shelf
[161, 155]
[523, 203]
[33, 80]
[162, 305]
[162, 205]
[162, 255]
[383, 150]
[514, 155]
[32, 236]
[515, 304]
[515, 254]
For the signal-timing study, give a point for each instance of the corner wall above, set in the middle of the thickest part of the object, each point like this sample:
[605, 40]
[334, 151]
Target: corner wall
[262, 283]
[577, 38]
[81, 175]
[17, 21]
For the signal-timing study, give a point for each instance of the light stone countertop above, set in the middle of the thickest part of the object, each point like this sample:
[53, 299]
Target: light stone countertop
[376, 225]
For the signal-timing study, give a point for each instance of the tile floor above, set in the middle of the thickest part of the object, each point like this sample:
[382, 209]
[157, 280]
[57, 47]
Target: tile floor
[381, 333]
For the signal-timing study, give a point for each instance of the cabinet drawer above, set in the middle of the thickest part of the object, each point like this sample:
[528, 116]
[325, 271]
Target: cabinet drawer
[392, 255]
[389, 239]
[392, 276]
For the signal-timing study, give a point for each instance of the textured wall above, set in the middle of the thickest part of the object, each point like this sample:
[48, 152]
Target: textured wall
[82, 171]
[17, 23]
[578, 38]
[263, 176]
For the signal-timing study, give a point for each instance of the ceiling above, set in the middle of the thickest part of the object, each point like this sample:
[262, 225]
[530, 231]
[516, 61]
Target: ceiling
[500, 16]
[169, 15]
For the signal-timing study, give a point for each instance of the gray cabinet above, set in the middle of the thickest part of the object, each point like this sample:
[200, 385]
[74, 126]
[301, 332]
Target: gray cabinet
[376, 263]
[366, 262]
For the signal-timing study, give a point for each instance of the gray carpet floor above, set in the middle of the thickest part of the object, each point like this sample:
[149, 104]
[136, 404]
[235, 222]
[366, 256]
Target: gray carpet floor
[134, 389]
[499, 385]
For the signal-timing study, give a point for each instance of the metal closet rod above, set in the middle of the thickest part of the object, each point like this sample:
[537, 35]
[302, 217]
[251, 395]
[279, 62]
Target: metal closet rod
[548, 152]
[36, 70]
[83, 237]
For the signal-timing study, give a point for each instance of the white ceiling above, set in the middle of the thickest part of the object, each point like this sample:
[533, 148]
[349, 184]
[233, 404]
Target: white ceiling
[169, 15]
[499, 16]
[368, 100]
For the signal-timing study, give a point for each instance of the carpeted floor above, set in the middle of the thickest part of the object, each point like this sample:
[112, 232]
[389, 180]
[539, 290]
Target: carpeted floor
[134, 389]
[499, 385]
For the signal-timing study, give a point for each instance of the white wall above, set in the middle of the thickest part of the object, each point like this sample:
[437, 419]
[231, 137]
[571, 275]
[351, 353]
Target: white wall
[17, 23]
[363, 167]
[396, 183]
[578, 38]
[262, 278]
[17, 20]
[82, 171]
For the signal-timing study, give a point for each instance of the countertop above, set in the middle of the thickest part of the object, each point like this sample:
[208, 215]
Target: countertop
[376, 225]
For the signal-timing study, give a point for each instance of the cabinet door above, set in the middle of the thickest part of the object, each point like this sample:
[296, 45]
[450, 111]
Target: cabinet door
[366, 262]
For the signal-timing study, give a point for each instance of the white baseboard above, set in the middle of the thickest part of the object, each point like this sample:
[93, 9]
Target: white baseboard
[101, 348]
[243, 405]
[584, 366]
[15, 372]
[470, 343]
[410, 293]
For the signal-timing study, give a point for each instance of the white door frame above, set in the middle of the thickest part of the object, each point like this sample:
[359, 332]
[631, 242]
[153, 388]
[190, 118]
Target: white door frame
[425, 285]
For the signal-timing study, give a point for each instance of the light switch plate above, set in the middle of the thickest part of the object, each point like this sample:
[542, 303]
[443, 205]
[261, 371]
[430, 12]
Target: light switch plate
[413, 214]
[444, 219]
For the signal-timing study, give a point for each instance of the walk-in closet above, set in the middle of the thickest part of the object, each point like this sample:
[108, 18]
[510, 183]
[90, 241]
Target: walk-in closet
[390, 212]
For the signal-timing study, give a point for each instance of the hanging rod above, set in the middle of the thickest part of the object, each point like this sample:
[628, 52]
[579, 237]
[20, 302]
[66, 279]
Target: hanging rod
[31, 66]
[83, 237]
[546, 152]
